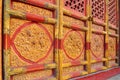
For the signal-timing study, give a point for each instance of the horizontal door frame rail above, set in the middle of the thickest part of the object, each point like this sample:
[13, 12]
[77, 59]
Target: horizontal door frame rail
[113, 58]
[99, 60]
[74, 63]
[75, 74]
[98, 22]
[74, 26]
[31, 17]
[74, 15]
[113, 65]
[113, 35]
[40, 3]
[98, 69]
[30, 68]
[46, 78]
[115, 28]
[112, 26]
[98, 32]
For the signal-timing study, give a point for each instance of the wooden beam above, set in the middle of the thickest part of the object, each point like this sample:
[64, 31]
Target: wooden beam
[0, 39]
[106, 36]
[119, 30]
[60, 14]
[6, 36]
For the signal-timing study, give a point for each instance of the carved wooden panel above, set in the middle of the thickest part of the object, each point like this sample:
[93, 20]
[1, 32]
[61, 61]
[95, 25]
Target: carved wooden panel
[73, 46]
[44, 39]
[112, 47]
[31, 44]
[97, 46]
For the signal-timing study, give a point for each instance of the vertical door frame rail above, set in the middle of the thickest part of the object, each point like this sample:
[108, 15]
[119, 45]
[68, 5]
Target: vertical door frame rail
[60, 36]
[1, 8]
[106, 36]
[88, 45]
[119, 31]
[6, 40]
[117, 34]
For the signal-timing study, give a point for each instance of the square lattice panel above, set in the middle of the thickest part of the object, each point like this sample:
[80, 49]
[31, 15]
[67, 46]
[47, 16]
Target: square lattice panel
[75, 5]
[112, 12]
[98, 9]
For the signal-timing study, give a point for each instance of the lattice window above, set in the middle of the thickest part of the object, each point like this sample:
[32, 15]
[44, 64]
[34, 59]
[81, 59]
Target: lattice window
[98, 9]
[76, 5]
[112, 11]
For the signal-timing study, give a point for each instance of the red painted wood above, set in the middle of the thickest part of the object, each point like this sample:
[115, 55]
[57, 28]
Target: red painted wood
[102, 75]
[7, 41]
[36, 18]
[106, 46]
[75, 74]
[75, 63]
[36, 2]
[35, 67]
[74, 26]
[58, 43]
[73, 14]
[87, 45]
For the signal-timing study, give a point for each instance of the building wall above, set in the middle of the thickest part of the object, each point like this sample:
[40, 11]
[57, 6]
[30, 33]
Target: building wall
[60, 38]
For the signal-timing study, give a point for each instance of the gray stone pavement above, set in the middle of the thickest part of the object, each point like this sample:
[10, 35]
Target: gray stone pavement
[117, 77]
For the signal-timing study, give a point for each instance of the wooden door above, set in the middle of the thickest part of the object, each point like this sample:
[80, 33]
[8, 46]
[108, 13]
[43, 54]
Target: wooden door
[98, 35]
[29, 34]
[59, 39]
[74, 36]
[113, 33]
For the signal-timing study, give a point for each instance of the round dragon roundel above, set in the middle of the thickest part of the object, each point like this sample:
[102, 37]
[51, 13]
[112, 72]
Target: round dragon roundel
[97, 45]
[73, 44]
[112, 46]
[31, 42]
